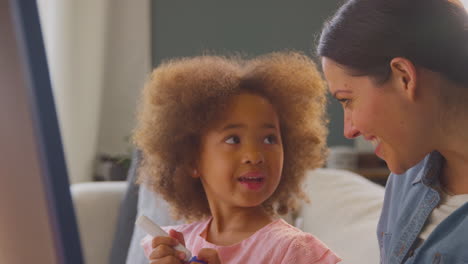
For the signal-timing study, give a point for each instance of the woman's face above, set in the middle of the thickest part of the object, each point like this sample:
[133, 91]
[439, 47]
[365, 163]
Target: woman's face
[241, 157]
[382, 114]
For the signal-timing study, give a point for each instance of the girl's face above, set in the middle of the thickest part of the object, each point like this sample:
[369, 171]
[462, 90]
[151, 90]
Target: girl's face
[241, 157]
[383, 114]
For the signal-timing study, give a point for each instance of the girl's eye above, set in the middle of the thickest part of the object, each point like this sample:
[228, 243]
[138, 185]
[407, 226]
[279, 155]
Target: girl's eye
[344, 102]
[233, 140]
[271, 139]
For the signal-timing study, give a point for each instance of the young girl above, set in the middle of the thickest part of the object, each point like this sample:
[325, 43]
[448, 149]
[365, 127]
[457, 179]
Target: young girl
[227, 142]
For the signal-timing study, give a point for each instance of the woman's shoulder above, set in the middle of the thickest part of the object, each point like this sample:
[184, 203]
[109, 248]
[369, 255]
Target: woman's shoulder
[404, 192]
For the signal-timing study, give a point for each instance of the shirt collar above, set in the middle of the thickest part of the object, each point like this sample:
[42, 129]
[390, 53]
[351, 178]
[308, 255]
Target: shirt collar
[432, 166]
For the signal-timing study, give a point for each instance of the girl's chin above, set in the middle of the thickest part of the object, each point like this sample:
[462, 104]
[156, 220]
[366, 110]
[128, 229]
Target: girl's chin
[252, 203]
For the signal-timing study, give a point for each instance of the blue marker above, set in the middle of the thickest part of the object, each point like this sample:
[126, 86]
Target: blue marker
[194, 259]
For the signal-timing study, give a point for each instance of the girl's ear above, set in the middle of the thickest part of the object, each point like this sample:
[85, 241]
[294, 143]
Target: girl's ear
[405, 74]
[195, 173]
[193, 167]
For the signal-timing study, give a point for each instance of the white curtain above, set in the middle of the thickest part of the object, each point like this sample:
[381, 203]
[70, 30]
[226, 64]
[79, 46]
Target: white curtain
[99, 54]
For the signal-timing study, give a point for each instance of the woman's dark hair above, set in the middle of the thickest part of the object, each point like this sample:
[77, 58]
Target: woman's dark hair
[365, 35]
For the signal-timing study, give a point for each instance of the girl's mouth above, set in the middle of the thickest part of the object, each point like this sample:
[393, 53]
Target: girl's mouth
[252, 181]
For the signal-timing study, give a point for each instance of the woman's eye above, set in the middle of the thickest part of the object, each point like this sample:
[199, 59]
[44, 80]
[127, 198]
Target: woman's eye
[271, 139]
[233, 140]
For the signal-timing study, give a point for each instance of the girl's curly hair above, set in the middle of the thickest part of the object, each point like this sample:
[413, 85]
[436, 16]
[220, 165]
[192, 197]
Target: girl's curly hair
[184, 97]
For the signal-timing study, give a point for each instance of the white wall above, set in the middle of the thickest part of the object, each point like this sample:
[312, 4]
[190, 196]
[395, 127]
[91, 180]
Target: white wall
[98, 52]
[75, 39]
[128, 58]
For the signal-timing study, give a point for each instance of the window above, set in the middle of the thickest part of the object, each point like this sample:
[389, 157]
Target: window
[465, 3]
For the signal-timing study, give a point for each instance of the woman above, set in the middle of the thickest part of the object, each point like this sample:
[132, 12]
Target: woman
[400, 70]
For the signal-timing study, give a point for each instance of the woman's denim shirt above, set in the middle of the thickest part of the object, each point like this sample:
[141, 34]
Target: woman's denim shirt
[409, 201]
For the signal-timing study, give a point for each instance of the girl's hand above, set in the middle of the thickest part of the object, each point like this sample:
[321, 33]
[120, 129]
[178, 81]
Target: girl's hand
[209, 256]
[163, 249]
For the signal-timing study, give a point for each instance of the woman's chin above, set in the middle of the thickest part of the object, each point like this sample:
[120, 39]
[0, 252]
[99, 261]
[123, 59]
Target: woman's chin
[397, 167]
[401, 165]
[396, 170]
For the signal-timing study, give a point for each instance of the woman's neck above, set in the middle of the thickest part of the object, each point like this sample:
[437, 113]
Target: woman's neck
[453, 145]
[454, 176]
[231, 226]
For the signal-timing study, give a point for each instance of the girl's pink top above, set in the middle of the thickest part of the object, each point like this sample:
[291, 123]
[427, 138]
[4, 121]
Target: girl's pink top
[277, 242]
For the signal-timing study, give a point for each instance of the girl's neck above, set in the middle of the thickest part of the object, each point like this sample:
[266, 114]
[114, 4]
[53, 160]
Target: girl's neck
[233, 226]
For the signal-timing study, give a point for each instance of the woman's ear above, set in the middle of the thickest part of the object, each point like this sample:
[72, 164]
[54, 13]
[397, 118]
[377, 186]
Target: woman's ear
[405, 75]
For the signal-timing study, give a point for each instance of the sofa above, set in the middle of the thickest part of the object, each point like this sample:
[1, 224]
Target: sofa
[343, 213]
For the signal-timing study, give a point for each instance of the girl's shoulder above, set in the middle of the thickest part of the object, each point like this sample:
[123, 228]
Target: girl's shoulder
[284, 231]
[198, 226]
[297, 246]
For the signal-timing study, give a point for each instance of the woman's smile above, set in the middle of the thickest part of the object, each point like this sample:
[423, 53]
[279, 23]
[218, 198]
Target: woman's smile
[377, 143]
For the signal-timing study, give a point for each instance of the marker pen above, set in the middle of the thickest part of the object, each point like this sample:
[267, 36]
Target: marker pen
[155, 230]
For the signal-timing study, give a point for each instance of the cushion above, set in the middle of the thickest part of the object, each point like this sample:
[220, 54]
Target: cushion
[155, 208]
[343, 213]
[137, 200]
[127, 215]
[97, 207]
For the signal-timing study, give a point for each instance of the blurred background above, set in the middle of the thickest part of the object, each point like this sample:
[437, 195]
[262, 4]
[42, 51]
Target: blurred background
[100, 54]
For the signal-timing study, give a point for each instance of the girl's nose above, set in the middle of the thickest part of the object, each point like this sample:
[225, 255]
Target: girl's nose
[350, 131]
[253, 157]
